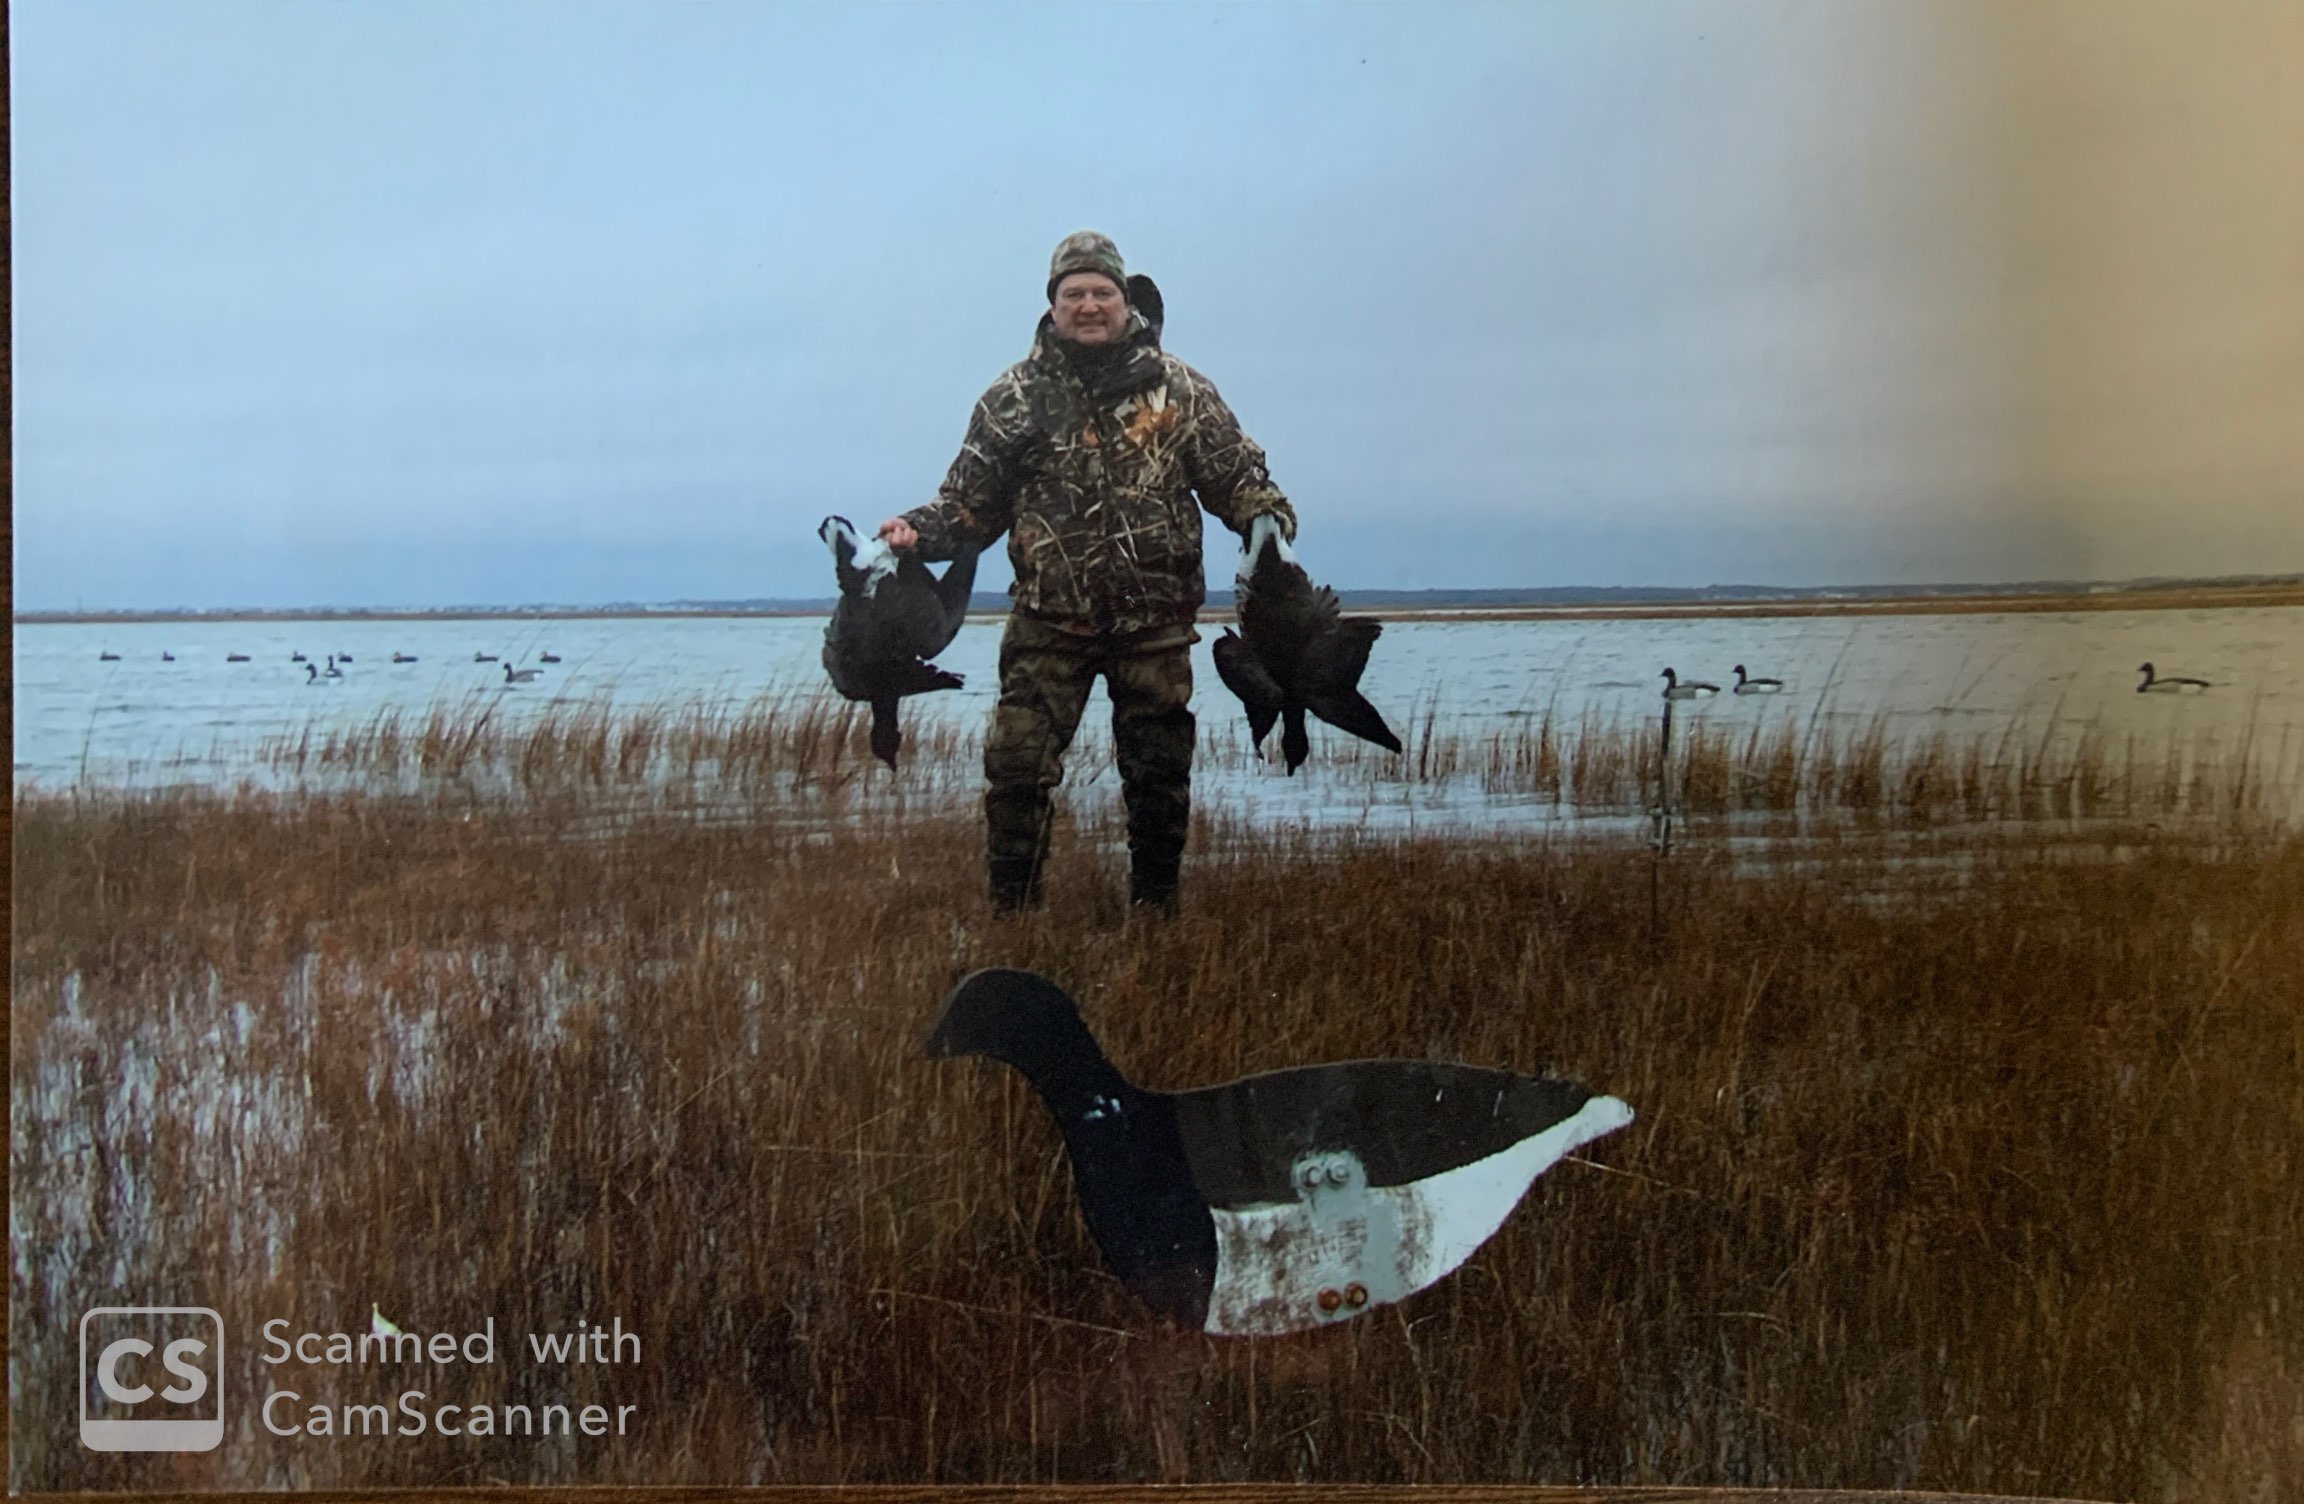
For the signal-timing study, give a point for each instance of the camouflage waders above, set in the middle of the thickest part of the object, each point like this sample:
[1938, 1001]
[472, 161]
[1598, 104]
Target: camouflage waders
[1045, 676]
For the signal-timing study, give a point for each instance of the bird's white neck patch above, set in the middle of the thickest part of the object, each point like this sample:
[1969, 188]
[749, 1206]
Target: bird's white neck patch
[877, 560]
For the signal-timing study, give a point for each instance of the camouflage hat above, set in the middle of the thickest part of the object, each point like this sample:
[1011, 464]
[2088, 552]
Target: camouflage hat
[1086, 251]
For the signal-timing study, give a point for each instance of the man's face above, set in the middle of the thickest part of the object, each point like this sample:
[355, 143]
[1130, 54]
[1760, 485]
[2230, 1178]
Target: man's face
[1090, 309]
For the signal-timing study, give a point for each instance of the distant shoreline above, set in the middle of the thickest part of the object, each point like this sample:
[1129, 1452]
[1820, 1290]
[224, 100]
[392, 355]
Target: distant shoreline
[2173, 598]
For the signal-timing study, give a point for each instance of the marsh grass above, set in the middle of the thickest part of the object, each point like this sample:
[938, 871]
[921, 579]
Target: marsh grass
[1989, 1187]
[806, 744]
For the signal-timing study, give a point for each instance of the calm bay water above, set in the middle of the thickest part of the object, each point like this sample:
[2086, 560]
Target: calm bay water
[142, 720]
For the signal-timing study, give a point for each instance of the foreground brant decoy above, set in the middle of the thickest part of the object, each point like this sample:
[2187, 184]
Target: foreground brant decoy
[1750, 686]
[2171, 684]
[312, 674]
[1295, 651]
[1693, 689]
[893, 617]
[1283, 1201]
[521, 675]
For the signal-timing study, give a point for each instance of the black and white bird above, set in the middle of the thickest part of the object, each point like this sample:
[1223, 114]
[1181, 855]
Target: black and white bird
[333, 671]
[1692, 690]
[312, 674]
[1296, 651]
[892, 618]
[521, 675]
[1283, 1201]
[1750, 686]
[2170, 684]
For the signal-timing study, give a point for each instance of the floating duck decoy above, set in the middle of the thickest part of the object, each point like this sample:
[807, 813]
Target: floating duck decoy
[1693, 689]
[403, 657]
[483, 657]
[1283, 1201]
[166, 656]
[1749, 686]
[892, 618]
[107, 657]
[235, 657]
[1295, 651]
[521, 675]
[296, 656]
[2170, 684]
[547, 657]
[341, 657]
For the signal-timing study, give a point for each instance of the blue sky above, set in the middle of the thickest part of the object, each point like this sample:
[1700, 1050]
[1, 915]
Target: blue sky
[385, 302]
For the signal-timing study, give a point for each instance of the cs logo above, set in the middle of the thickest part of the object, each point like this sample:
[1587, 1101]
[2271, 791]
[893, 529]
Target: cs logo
[149, 1379]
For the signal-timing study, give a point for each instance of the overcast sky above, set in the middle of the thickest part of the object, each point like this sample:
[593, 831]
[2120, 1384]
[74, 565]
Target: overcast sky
[388, 302]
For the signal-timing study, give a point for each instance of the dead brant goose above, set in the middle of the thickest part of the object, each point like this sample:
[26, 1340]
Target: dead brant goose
[1283, 1201]
[1296, 651]
[2170, 684]
[893, 617]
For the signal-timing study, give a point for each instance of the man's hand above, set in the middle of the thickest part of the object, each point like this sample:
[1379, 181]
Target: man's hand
[899, 535]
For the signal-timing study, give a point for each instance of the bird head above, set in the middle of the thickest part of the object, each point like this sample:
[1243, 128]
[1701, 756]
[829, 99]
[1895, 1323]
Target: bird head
[1002, 1012]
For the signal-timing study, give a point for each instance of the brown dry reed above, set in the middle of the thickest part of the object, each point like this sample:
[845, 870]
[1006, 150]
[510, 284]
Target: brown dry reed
[1962, 1162]
[806, 742]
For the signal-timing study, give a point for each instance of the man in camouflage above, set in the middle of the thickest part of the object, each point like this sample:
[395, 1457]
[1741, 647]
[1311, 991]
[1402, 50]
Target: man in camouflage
[1089, 453]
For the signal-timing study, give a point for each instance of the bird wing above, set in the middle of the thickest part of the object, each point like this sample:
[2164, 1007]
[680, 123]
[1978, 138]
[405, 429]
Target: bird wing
[953, 592]
[1331, 667]
[1404, 1119]
[1244, 674]
[907, 613]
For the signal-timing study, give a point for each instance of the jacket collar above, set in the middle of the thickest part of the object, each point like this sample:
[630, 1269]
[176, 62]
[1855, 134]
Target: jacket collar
[1131, 365]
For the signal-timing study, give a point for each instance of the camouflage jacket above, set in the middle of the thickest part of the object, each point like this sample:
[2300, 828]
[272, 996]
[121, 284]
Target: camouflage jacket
[1091, 467]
